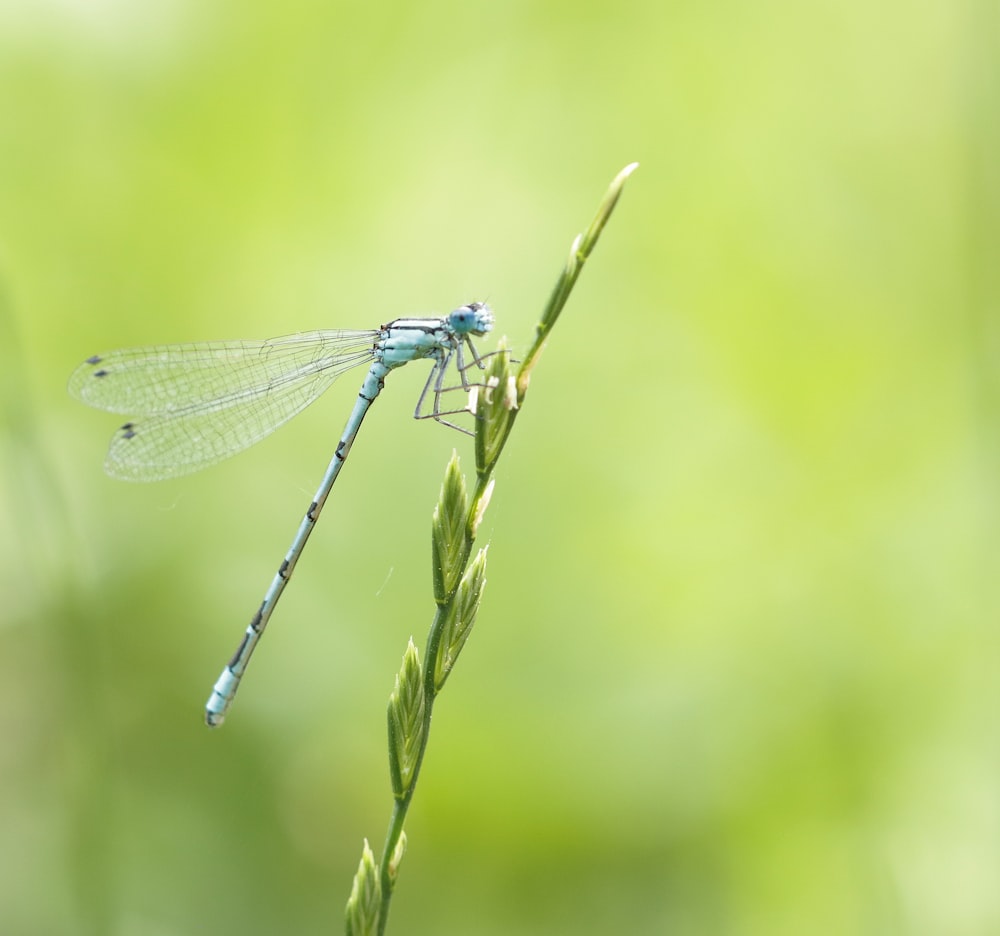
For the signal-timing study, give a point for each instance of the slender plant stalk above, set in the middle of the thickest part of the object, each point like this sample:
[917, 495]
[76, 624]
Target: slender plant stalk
[458, 585]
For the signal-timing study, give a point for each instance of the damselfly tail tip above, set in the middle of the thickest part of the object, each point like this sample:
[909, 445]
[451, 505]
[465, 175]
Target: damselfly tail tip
[214, 719]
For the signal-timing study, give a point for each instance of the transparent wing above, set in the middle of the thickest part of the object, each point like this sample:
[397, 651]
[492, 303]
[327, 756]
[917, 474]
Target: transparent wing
[196, 404]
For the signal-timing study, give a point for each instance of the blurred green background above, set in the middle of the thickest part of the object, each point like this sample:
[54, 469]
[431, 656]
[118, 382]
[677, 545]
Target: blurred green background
[736, 666]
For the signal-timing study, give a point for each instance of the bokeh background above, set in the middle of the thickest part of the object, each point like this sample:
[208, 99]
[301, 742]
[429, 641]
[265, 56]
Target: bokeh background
[736, 667]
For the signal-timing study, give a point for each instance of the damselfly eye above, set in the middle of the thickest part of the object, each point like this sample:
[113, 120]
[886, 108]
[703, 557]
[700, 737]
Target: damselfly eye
[474, 318]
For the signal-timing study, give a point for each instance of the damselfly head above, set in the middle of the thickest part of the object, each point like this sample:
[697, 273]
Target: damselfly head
[472, 319]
